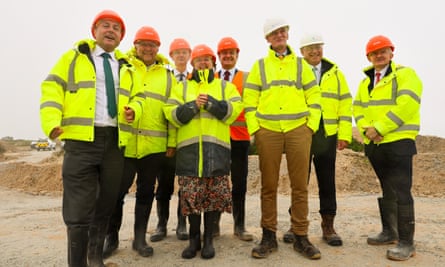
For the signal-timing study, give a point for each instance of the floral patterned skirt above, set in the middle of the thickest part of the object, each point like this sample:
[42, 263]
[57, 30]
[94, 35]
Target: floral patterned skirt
[201, 194]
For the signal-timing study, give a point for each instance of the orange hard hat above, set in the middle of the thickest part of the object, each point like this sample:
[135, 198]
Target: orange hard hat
[147, 33]
[202, 50]
[227, 43]
[378, 42]
[108, 14]
[179, 43]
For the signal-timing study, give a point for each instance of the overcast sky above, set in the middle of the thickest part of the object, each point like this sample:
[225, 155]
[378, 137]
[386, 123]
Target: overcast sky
[36, 33]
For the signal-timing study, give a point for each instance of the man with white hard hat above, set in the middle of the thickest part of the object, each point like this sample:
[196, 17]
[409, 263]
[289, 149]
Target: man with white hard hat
[334, 132]
[282, 108]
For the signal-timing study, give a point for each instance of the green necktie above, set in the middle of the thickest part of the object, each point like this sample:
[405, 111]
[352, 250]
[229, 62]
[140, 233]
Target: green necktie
[109, 84]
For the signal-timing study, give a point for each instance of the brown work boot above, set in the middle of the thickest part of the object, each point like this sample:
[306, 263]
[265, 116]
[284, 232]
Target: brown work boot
[329, 234]
[305, 247]
[267, 245]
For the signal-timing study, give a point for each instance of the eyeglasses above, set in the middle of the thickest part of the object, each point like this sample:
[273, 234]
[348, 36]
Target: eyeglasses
[382, 51]
[310, 48]
[282, 30]
[147, 44]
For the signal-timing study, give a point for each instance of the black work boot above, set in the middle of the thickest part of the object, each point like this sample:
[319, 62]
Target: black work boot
[163, 210]
[77, 246]
[111, 242]
[267, 245]
[388, 215]
[210, 217]
[405, 247]
[142, 214]
[194, 238]
[306, 248]
[329, 234]
[96, 238]
[181, 228]
[238, 219]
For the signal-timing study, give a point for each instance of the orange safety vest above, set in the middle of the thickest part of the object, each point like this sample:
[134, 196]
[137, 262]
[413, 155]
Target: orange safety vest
[238, 129]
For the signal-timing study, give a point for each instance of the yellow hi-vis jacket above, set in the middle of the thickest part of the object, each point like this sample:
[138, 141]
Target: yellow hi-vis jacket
[392, 106]
[203, 137]
[336, 103]
[281, 94]
[150, 134]
[68, 96]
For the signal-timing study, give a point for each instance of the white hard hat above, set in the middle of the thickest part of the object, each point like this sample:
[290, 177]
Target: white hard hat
[273, 24]
[310, 39]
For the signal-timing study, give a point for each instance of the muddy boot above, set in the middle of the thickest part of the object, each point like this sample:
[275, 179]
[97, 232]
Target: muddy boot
[329, 234]
[388, 215]
[163, 210]
[194, 237]
[267, 245]
[111, 242]
[210, 220]
[181, 228]
[289, 236]
[77, 246]
[96, 237]
[405, 247]
[306, 248]
[238, 219]
[142, 214]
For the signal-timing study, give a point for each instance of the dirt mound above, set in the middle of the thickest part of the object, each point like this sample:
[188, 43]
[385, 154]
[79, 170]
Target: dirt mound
[354, 173]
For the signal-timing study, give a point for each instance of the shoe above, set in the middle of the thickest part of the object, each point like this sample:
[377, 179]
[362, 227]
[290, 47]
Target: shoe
[305, 247]
[329, 234]
[267, 245]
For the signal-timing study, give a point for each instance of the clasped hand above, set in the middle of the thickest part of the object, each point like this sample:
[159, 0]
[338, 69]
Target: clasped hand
[201, 100]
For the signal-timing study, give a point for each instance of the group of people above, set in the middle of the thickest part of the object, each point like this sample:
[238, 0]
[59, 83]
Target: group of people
[127, 116]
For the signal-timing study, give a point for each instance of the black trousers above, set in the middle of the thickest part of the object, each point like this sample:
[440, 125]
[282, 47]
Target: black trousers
[166, 179]
[92, 173]
[324, 155]
[146, 169]
[393, 165]
[239, 168]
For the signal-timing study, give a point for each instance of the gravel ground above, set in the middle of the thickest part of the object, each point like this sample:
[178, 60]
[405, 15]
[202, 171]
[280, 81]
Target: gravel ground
[32, 233]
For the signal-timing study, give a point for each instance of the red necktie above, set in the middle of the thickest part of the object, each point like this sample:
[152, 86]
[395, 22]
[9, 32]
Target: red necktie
[227, 75]
[377, 77]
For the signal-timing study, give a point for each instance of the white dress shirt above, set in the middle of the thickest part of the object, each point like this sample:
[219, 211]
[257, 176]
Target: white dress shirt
[101, 113]
[231, 71]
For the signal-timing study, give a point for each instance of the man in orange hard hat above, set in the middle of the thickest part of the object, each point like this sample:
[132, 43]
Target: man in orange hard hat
[180, 53]
[387, 113]
[228, 51]
[150, 142]
[85, 102]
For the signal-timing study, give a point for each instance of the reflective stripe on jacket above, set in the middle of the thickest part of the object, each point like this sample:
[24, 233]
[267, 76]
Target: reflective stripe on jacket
[238, 129]
[336, 103]
[150, 134]
[281, 94]
[68, 96]
[393, 105]
[203, 142]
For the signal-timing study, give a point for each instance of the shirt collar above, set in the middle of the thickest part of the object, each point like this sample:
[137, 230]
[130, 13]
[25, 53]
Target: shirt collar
[382, 71]
[98, 51]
